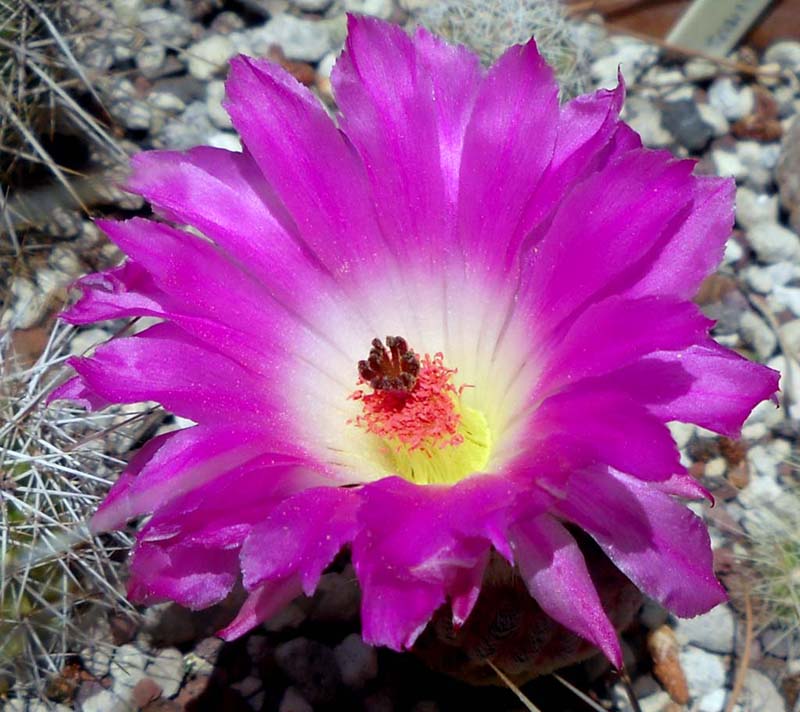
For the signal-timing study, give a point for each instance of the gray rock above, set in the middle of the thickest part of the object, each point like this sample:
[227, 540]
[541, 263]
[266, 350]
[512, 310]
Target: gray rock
[773, 242]
[215, 94]
[714, 119]
[337, 599]
[713, 701]
[160, 26]
[753, 208]
[786, 54]
[210, 56]
[311, 666]
[684, 122]
[126, 669]
[727, 164]
[150, 58]
[248, 687]
[376, 8]
[293, 701]
[705, 672]
[301, 39]
[758, 279]
[167, 670]
[96, 660]
[735, 102]
[28, 305]
[698, 69]
[713, 631]
[645, 119]
[790, 335]
[758, 334]
[760, 693]
[166, 102]
[785, 298]
[192, 128]
[759, 161]
[358, 662]
[106, 701]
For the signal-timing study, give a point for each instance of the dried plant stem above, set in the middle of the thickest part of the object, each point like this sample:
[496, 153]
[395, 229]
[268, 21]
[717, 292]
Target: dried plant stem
[511, 686]
[580, 695]
[741, 673]
[729, 64]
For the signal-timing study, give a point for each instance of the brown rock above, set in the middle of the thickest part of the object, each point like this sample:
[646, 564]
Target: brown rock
[664, 650]
[145, 691]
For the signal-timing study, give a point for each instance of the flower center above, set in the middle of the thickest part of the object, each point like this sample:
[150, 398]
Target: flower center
[423, 431]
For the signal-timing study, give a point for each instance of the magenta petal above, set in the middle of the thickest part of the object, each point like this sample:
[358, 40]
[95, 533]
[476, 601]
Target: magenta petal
[224, 195]
[585, 127]
[166, 365]
[300, 537]
[615, 218]
[308, 163]
[555, 573]
[696, 248]
[621, 331]
[76, 390]
[706, 384]
[507, 148]
[260, 605]
[612, 429]
[659, 544]
[176, 464]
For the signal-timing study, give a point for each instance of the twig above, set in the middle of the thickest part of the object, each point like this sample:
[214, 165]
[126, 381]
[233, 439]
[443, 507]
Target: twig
[580, 695]
[730, 64]
[511, 686]
[741, 673]
[628, 685]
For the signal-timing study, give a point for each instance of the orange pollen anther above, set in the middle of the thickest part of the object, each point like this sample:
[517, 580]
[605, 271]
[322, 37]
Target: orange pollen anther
[423, 416]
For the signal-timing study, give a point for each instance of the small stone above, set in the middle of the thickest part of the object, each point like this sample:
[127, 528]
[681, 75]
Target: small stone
[727, 164]
[713, 701]
[683, 120]
[733, 251]
[305, 40]
[698, 69]
[105, 701]
[192, 128]
[713, 631]
[337, 599]
[215, 94]
[311, 666]
[760, 693]
[164, 101]
[733, 101]
[716, 467]
[162, 27]
[759, 161]
[773, 242]
[758, 279]
[645, 119]
[132, 114]
[753, 208]
[757, 333]
[249, 686]
[790, 335]
[210, 55]
[293, 701]
[65, 260]
[144, 692]
[714, 119]
[126, 669]
[377, 8]
[358, 662]
[705, 672]
[786, 54]
[167, 669]
[289, 617]
[97, 660]
[785, 298]
[225, 139]
[28, 305]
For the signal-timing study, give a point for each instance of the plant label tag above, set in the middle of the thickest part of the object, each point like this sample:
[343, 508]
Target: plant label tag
[715, 26]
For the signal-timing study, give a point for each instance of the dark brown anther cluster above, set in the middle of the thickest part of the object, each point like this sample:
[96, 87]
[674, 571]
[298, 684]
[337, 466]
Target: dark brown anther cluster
[390, 368]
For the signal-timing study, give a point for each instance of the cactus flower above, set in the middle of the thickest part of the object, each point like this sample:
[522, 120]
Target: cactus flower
[451, 323]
